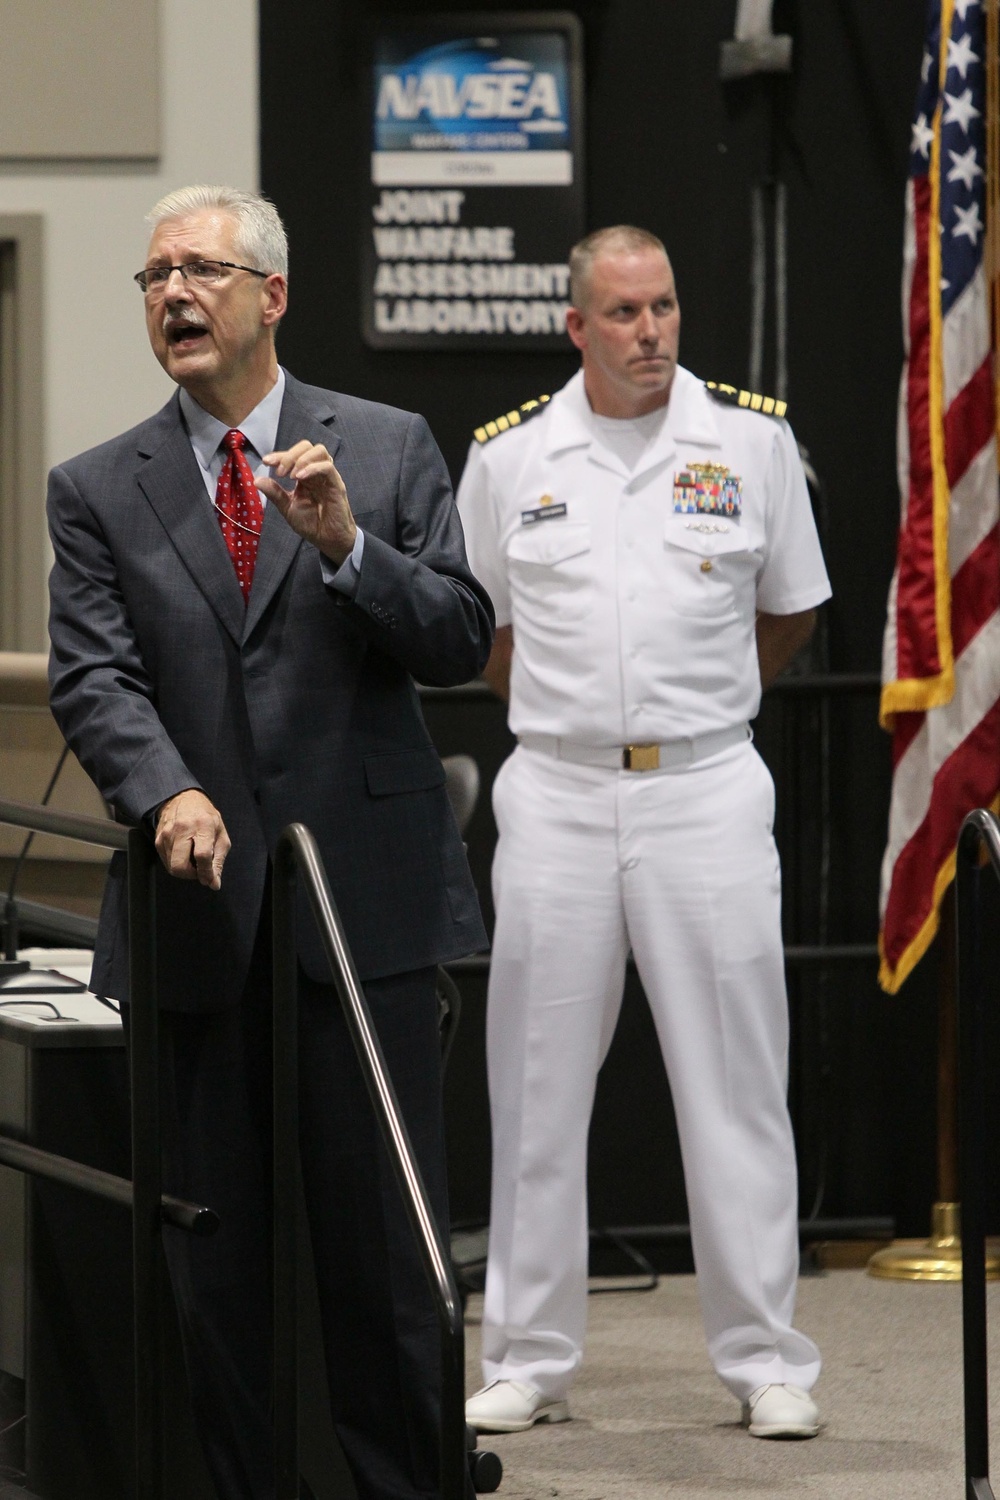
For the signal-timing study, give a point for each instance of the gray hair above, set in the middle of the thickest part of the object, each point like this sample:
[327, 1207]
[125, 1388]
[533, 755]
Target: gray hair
[615, 239]
[260, 235]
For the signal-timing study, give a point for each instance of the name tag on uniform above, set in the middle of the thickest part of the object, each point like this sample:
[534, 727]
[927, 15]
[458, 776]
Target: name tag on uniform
[545, 510]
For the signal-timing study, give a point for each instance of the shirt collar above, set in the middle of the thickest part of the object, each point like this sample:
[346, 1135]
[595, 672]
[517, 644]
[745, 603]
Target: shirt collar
[260, 428]
[569, 423]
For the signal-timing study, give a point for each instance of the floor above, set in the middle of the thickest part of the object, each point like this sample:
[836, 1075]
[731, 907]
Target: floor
[651, 1419]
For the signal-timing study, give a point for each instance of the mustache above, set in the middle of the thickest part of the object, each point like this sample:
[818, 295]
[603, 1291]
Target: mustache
[181, 320]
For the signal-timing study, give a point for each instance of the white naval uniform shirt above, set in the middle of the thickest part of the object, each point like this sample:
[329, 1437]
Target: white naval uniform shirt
[634, 623]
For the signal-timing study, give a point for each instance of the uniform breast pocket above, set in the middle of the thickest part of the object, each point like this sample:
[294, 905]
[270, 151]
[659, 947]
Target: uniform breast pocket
[712, 566]
[550, 567]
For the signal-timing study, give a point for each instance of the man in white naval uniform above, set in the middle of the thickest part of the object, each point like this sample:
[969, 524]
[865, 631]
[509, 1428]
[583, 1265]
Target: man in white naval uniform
[652, 556]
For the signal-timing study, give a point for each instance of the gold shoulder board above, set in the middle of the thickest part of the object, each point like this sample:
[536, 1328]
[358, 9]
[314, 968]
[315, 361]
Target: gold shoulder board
[522, 413]
[732, 397]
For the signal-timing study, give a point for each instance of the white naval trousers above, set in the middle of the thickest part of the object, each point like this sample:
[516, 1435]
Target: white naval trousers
[680, 866]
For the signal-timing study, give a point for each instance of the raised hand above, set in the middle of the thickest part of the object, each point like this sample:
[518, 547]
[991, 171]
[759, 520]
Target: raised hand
[317, 508]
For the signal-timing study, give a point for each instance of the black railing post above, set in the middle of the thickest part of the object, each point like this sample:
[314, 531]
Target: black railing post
[146, 1166]
[454, 1455]
[980, 827]
[286, 1148]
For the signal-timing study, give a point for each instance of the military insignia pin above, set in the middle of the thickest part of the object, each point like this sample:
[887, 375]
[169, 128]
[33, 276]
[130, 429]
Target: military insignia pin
[708, 490]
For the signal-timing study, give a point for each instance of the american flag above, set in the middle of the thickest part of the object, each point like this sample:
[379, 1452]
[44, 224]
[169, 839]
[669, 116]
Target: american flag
[941, 653]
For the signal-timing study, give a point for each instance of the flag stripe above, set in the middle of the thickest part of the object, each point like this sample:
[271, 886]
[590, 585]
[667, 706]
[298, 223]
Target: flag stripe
[968, 423]
[975, 592]
[905, 731]
[916, 641]
[968, 344]
[972, 510]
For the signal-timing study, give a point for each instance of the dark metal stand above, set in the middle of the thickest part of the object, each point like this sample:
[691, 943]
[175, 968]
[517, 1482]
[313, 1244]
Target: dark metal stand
[146, 1164]
[286, 1156]
[979, 832]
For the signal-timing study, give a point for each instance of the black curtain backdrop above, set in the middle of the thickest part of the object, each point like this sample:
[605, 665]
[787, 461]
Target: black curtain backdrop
[671, 148]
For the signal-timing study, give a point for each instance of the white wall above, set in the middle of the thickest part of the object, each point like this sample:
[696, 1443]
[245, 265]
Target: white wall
[99, 373]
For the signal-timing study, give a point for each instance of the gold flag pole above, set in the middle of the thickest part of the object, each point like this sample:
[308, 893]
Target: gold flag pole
[940, 1257]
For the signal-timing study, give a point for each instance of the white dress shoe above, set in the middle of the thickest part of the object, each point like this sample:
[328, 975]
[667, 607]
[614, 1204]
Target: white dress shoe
[780, 1411]
[511, 1406]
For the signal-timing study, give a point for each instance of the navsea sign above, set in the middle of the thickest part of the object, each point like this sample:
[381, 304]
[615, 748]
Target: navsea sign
[476, 182]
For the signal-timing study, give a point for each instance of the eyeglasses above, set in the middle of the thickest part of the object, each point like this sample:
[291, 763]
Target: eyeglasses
[200, 272]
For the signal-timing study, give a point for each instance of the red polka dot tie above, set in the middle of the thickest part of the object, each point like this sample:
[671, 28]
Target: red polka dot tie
[241, 514]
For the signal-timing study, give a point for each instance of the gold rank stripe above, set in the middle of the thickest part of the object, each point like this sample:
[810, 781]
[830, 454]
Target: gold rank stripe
[770, 406]
[522, 413]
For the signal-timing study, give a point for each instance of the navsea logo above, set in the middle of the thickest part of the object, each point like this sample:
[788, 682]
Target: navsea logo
[474, 94]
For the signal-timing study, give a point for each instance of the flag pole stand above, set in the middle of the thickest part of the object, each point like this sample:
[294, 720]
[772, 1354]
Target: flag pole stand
[939, 1258]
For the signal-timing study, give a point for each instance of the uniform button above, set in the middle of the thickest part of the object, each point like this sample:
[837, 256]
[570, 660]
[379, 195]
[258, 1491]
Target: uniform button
[706, 566]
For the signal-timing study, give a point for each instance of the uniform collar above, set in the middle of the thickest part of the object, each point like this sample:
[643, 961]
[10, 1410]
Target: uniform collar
[691, 413]
[568, 422]
[690, 418]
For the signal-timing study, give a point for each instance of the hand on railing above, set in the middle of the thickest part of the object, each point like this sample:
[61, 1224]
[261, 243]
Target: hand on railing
[191, 838]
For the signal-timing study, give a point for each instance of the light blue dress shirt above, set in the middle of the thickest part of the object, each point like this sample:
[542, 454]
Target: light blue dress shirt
[260, 428]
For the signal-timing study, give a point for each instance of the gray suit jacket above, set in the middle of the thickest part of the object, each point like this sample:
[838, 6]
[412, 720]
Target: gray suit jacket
[299, 707]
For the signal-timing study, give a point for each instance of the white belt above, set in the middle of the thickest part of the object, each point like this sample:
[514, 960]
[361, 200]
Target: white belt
[645, 757]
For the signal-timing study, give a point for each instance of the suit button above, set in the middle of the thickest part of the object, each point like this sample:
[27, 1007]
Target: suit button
[256, 797]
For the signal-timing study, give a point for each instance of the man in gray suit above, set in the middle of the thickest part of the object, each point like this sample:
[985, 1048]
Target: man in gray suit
[245, 587]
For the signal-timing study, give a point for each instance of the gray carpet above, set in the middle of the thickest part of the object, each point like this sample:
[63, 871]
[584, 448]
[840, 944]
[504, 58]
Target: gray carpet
[650, 1418]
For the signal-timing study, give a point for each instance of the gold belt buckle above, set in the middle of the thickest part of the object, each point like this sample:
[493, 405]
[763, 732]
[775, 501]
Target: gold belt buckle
[641, 757]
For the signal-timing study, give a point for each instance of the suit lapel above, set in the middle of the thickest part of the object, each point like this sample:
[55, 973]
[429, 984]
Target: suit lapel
[300, 418]
[172, 483]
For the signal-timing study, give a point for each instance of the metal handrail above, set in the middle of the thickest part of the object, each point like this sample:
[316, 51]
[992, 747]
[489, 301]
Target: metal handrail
[150, 1208]
[175, 1211]
[67, 825]
[980, 831]
[296, 853]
